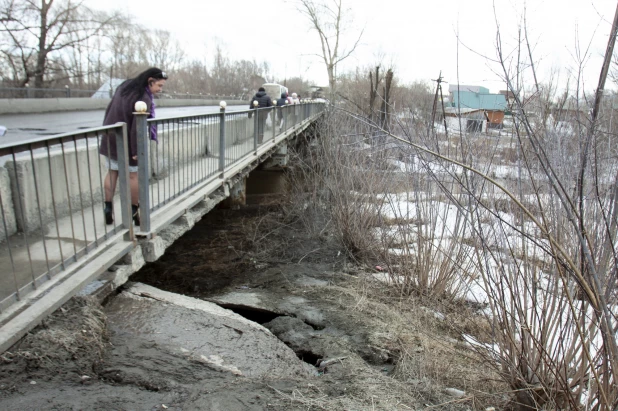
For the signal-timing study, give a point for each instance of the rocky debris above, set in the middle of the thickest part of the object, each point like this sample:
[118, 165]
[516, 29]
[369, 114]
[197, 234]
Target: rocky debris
[454, 392]
[201, 331]
[290, 305]
[306, 281]
[293, 331]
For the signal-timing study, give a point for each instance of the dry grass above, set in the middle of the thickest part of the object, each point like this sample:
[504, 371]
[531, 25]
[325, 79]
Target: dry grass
[71, 339]
[532, 261]
[428, 352]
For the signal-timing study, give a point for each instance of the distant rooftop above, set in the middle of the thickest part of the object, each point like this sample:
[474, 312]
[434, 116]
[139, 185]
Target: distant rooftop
[108, 88]
[462, 87]
[476, 97]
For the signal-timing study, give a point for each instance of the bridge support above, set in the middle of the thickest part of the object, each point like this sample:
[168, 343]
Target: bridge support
[237, 195]
[264, 183]
[279, 160]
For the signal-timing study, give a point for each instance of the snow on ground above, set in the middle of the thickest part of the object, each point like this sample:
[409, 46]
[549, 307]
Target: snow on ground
[496, 276]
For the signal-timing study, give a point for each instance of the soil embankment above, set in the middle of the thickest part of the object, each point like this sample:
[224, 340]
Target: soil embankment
[270, 319]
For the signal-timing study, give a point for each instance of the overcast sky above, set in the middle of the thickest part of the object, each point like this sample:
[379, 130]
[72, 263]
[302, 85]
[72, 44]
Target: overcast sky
[417, 37]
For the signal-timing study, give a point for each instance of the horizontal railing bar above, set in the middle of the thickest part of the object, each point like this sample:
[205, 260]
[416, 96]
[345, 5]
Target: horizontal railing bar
[61, 136]
[238, 112]
[204, 115]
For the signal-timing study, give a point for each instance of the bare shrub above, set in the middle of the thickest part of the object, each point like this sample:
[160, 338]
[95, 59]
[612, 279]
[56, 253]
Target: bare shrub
[536, 246]
[340, 180]
[548, 275]
[350, 178]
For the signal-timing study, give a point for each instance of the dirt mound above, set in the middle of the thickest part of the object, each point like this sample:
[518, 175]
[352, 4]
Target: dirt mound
[70, 341]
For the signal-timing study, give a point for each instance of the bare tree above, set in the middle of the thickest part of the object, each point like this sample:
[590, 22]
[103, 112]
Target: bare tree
[34, 32]
[385, 115]
[328, 18]
[373, 90]
[163, 50]
[125, 39]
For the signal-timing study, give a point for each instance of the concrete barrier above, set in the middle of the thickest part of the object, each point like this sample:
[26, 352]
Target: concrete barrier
[74, 182]
[48, 105]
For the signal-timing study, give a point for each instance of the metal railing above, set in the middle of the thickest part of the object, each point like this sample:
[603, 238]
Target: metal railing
[197, 96]
[52, 188]
[194, 149]
[68, 92]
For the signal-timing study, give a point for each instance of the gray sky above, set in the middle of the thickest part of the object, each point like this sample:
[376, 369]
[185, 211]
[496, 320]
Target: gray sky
[417, 37]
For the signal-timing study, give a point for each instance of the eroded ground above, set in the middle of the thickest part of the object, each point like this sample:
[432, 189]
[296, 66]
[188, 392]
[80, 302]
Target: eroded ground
[346, 341]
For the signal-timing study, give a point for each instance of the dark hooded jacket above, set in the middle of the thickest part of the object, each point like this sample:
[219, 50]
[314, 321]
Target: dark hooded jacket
[284, 98]
[120, 109]
[262, 98]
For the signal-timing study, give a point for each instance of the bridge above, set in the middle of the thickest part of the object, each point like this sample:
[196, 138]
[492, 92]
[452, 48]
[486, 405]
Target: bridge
[54, 242]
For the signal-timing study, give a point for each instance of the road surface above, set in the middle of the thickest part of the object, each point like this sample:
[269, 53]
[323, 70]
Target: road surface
[22, 127]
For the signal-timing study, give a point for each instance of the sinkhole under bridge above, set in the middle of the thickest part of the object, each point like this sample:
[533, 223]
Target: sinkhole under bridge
[54, 241]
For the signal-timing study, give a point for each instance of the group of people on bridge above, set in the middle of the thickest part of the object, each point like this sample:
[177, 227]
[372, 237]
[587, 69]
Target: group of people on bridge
[262, 100]
[121, 109]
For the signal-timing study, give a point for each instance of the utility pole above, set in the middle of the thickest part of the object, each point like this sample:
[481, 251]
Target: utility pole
[439, 82]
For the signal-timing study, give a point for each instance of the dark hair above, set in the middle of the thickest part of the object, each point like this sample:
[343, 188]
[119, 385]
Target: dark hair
[138, 84]
[261, 89]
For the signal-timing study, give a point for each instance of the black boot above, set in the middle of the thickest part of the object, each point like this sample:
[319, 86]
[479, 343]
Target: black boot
[135, 209]
[109, 213]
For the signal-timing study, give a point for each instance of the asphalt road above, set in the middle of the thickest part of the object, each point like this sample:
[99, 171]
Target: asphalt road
[22, 127]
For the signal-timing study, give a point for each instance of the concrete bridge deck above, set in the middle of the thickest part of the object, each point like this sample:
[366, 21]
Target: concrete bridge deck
[22, 126]
[56, 259]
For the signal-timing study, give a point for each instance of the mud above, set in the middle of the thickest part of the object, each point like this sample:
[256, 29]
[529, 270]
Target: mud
[326, 345]
[201, 331]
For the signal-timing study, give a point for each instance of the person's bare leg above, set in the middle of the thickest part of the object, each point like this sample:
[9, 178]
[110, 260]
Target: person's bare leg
[133, 184]
[109, 186]
[134, 188]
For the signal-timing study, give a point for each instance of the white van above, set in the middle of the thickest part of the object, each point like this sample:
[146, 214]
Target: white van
[274, 90]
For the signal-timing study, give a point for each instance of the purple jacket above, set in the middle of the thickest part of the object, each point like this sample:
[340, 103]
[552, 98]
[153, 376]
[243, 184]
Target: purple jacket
[121, 109]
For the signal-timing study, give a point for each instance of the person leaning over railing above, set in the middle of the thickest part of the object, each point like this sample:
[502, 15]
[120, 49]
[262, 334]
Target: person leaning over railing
[120, 109]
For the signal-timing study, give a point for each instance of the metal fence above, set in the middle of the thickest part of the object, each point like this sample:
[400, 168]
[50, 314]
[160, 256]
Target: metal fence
[52, 188]
[194, 149]
[32, 92]
[68, 92]
[51, 191]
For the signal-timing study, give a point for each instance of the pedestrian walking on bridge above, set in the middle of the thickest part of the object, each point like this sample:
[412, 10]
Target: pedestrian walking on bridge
[120, 109]
[281, 103]
[263, 100]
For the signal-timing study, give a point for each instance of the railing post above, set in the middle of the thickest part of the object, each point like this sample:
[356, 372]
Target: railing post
[274, 114]
[255, 129]
[122, 148]
[222, 106]
[143, 176]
